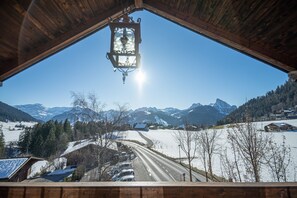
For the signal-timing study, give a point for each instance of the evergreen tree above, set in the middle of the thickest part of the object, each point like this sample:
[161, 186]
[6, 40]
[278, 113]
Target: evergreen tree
[25, 140]
[37, 147]
[45, 139]
[67, 127]
[50, 143]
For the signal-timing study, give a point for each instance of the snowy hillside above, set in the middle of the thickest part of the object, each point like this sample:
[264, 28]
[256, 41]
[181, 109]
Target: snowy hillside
[164, 142]
[12, 132]
[41, 112]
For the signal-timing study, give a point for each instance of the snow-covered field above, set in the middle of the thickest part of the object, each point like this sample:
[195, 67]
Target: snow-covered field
[132, 135]
[11, 132]
[164, 142]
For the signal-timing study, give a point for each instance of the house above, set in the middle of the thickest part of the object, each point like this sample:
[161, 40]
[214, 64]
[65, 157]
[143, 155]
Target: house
[277, 127]
[16, 169]
[84, 153]
[141, 127]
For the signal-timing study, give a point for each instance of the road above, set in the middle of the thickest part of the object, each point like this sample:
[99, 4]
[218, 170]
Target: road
[160, 168]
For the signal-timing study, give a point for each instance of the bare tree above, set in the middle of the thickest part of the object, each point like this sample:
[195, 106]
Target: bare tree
[236, 157]
[187, 141]
[231, 164]
[208, 143]
[278, 159]
[91, 110]
[251, 145]
[227, 166]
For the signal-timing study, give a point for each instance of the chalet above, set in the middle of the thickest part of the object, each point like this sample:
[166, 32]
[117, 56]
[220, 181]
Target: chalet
[16, 169]
[278, 127]
[141, 127]
[83, 153]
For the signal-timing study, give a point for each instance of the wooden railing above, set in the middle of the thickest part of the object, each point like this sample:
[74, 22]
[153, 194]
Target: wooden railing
[147, 189]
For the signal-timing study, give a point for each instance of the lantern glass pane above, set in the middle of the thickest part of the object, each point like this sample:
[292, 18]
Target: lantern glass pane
[127, 61]
[118, 46]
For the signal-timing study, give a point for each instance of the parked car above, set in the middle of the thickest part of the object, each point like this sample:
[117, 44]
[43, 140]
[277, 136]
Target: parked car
[123, 173]
[127, 178]
[121, 166]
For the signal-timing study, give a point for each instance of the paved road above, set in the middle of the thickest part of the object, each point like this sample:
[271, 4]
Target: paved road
[160, 168]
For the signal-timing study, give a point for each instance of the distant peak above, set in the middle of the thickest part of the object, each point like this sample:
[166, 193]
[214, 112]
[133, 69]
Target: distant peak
[223, 107]
[194, 105]
[221, 102]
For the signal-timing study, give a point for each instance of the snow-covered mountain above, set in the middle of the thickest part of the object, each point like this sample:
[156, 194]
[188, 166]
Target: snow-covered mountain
[195, 114]
[223, 107]
[40, 112]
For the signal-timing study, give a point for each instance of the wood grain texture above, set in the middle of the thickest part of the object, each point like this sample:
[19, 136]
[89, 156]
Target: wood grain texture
[148, 190]
[32, 30]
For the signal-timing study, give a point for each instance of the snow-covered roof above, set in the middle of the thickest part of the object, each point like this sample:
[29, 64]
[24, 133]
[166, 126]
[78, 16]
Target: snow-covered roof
[279, 124]
[76, 145]
[140, 126]
[9, 166]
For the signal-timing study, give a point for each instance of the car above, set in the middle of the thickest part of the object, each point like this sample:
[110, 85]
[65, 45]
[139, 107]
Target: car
[124, 165]
[127, 178]
[123, 172]
[121, 166]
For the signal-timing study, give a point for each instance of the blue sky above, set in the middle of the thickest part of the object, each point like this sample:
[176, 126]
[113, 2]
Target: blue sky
[181, 68]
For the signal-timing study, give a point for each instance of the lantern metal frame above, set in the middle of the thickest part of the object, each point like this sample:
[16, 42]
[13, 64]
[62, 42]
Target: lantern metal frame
[125, 23]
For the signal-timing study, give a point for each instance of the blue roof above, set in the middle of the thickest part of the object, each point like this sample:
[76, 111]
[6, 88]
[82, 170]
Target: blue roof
[59, 175]
[9, 166]
[62, 171]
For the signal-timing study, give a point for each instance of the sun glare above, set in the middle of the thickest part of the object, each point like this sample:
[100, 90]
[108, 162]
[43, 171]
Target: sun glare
[140, 77]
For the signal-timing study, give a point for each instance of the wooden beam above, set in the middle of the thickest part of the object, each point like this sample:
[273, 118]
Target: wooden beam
[65, 40]
[138, 4]
[148, 189]
[234, 41]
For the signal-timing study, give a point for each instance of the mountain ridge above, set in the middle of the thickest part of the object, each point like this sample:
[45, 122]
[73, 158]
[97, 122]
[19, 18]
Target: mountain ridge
[9, 113]
[195, 114]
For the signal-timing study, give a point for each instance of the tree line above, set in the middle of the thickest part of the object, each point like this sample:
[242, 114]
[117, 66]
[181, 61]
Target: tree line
[283, 97]
[45, 139]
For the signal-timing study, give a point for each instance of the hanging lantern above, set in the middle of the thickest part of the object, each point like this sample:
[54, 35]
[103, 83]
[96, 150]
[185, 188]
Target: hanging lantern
[124, 45]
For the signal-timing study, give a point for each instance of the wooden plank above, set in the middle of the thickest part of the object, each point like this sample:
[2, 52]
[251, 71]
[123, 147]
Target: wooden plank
[70, 192]
[50, 192]
[152, 192]
[28, 58]
[276, 192]
[138, 4]
[34, 192]
[16, 192]
[126, 192]
[292, 192]
[4, 192]
[149, 190]
[92, 192]
[280, 61]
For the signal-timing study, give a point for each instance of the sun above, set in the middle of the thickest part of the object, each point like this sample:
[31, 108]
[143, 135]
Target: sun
[140, 77]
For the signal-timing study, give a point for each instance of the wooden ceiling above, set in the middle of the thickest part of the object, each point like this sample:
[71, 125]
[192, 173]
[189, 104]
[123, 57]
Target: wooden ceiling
[32, 30]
